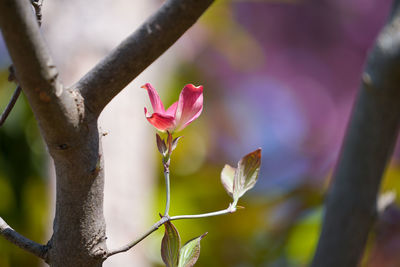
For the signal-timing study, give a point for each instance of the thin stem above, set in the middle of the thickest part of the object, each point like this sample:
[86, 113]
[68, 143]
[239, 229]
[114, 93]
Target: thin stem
[168, 192]
[203, 215]
[135, 242]
[10, 105]
[166, 161]
[165, 219]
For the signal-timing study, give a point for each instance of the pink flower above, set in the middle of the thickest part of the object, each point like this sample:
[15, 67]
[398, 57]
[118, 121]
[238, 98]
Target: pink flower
[180, 114]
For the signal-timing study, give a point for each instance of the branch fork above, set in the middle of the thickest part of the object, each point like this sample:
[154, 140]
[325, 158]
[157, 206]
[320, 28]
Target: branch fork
[74, 125]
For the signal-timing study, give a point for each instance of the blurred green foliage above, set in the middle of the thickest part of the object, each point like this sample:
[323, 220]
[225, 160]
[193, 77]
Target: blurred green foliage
[23, 188]
[272, 230]
[276, 229]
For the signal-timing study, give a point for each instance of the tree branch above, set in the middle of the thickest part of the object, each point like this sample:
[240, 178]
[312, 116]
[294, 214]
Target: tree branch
[230, 209]
[38, 10]
[368, 145]
[10, 105]
[138, 51]
[164, 219]
[53, 107]
[130, 245]
[22, 242]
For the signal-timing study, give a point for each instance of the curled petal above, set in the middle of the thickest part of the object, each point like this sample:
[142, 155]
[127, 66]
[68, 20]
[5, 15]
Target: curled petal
[190, 105]
[160, 121]
[155, 100]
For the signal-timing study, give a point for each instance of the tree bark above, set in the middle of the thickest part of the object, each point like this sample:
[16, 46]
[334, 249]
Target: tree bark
[79, 230]
[127, 147]
[368, 145]
[67, 118]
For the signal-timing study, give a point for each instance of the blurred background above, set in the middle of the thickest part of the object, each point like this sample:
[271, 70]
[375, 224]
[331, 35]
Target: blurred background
[280, 75]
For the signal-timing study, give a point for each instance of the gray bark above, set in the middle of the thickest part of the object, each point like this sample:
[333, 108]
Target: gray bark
[128, 147]
[368, 145]
[67, 119]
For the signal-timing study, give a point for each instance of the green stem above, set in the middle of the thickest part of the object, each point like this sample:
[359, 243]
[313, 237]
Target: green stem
[163, 220]
[168, 193]
[230, 209]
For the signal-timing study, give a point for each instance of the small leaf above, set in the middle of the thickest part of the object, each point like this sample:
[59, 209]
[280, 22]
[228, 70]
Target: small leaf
[175, 142]
[227, 175]
[162, 147]
[170, 245]
[190, 252]
[246, 174]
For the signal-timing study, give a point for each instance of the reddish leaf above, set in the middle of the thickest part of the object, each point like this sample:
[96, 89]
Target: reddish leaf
[246, 174]
[162, 147]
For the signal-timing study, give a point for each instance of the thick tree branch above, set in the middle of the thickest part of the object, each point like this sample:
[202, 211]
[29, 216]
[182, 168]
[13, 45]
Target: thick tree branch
[53, 107]
[21, 241]
[138, 51]
[71, 134]
[67, 123]
[368, 145]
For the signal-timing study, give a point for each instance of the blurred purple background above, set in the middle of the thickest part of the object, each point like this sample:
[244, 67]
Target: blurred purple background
[290, 90]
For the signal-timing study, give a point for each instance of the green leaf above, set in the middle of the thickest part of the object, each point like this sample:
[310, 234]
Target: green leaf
[227, 175]
[170, 245]
[246, 173]
[190, 252]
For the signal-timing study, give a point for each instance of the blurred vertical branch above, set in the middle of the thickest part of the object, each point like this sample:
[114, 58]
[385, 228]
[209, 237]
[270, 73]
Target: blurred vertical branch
[368, 145]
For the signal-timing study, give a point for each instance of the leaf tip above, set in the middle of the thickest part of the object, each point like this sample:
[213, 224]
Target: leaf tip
[203, 235]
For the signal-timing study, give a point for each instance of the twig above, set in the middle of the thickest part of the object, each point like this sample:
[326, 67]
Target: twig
[204, 215]
[22, 242]
[135, 242]
[163, 220]
[138, 51]
[10, 105]
[367, 147]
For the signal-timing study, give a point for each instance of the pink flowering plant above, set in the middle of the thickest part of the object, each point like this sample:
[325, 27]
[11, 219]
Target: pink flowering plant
[180, 114]
[236, 180]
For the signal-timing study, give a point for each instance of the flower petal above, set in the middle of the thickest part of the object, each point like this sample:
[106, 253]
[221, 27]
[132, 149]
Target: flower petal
[190, 105]
[160, 121]
[155, 100]
[172, 109]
